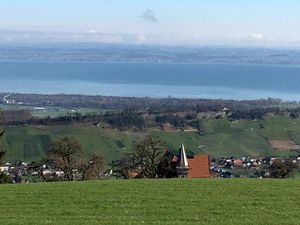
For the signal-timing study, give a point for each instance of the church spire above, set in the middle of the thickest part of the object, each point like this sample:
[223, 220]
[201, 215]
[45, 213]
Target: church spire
[183, 167]
[183, 159]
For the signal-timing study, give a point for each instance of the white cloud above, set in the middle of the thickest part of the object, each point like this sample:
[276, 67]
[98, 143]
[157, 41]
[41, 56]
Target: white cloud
[97, 36]
[257, 36]
[141, 38]
[92, 31]
[91, 35]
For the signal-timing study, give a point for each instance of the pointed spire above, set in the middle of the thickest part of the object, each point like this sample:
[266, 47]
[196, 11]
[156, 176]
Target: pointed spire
[183, 167]
[183, 159]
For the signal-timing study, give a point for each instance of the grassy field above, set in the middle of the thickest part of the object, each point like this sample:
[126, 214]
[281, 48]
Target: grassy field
[30, 143]
[222, 138]
[197, 201]
[50, 111]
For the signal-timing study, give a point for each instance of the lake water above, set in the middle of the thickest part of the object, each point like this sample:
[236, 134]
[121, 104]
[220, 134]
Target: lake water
[152, 79]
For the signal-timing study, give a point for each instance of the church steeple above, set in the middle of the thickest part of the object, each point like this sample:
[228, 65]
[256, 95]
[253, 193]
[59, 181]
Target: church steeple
[183, 159]
[183, 167]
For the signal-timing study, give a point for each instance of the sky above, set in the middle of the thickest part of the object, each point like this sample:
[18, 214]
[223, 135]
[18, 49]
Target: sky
[192, 22]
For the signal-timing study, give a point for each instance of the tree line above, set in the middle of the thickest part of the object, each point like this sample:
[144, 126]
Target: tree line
[139, 119]
[124, 119]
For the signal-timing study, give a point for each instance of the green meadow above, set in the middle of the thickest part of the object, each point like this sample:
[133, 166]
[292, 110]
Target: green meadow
[222, 138]
[174, 202]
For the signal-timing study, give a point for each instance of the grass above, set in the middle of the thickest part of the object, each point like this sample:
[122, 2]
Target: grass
[196, 201]
[51, 111]
[31, 142]
[237, 138]
[222, 138]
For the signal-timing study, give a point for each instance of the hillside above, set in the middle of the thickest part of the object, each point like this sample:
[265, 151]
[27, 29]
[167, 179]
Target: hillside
[197, 201]
[221, 138]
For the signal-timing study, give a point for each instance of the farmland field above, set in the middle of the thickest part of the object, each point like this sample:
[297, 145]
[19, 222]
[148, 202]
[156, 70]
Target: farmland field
[176, 201]
[222, 138]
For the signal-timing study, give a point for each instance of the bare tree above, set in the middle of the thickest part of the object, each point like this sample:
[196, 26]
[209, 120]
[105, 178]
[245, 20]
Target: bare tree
[65, 154]
[147, 155]
[91, 168]
[39, 168]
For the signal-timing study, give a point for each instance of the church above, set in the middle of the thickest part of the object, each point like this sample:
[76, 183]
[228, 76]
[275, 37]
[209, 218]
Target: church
[197, 166]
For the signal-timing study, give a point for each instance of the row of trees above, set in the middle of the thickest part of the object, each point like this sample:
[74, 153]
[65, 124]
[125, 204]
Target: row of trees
[125, 119]
[140, 103]
[148, 160]
[133, 119]
[256, 113]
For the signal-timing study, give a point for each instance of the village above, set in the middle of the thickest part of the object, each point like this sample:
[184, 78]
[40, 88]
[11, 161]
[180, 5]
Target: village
[186, 166]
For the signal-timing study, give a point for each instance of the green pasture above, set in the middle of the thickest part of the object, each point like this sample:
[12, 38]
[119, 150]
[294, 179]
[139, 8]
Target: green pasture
[50, 111]
[174, 202]
[31, 142]
[237, 138]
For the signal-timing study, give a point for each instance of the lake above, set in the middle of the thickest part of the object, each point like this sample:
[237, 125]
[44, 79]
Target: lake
[180, 80]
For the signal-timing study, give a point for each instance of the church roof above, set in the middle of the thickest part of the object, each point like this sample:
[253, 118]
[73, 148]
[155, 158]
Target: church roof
[199, 167]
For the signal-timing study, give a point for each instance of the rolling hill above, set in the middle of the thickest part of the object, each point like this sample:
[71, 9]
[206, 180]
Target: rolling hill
[222, 138]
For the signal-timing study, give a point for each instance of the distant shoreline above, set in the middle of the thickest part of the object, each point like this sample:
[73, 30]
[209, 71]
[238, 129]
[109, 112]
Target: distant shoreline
[97, 52]
[138, 103]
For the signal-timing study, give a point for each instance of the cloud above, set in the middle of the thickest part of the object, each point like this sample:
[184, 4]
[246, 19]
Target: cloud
[31, 36]
[90, 35]
[92, 31]
[149, 16]
[141, 38]
[257, 37]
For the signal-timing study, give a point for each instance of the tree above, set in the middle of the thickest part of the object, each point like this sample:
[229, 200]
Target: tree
[39, 168]
[166, 167]
[147, 156]
[122, 167]
[65, 155]
[91, 168]
[282, 168]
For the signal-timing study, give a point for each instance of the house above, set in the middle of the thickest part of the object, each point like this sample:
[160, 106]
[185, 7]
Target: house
[238, 163]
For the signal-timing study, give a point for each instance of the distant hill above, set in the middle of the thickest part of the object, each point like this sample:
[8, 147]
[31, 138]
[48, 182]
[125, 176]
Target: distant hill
[221, 138]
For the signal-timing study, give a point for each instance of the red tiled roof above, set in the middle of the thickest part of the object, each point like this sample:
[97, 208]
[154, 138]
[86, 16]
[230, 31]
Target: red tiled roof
[199, 167]
[238, 162]
[174, 159]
